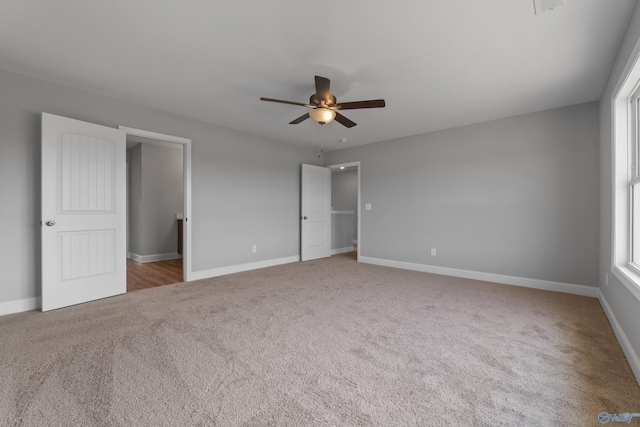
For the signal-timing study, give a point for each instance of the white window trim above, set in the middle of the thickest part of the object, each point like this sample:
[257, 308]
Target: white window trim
[621, 223]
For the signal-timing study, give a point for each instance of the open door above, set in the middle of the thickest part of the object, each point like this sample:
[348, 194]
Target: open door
[83, 212]
[316, 212]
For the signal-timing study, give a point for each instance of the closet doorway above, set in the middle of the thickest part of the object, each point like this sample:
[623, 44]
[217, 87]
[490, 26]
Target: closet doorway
[345, 209]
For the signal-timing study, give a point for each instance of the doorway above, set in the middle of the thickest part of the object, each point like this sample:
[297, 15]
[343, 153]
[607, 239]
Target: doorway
[158, 231]
[84, 209]
[346, 230]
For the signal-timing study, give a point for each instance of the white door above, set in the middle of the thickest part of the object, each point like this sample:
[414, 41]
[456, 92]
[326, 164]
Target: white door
[83, 212]
[316, 212]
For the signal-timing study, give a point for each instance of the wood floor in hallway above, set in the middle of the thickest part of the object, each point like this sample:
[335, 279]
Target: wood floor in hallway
[152, 274]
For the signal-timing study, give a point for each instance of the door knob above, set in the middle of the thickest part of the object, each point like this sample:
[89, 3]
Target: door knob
[50, 223]
[304, 217]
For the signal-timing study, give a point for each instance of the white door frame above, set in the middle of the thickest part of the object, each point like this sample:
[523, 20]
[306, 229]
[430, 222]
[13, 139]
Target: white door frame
[347, 165]
[187, 272]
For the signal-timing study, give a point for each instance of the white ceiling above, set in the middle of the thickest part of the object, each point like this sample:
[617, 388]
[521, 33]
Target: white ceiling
[438, 64]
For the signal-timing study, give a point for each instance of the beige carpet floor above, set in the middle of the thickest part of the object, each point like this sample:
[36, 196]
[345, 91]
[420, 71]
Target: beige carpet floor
[327, 343]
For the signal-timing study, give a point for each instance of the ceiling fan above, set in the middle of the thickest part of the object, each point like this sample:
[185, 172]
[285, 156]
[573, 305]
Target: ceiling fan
[324, 105]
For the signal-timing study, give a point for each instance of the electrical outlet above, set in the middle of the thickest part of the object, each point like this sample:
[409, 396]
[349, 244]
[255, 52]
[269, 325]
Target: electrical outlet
[433, 252]
[367, 206]
[254, 249]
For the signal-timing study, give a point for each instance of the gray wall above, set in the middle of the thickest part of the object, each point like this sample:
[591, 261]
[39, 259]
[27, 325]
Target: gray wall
[342, 231]
[624, 305]
[344, 195]
[156, 198]
[517, 196]
[246, 189]
[134, 225]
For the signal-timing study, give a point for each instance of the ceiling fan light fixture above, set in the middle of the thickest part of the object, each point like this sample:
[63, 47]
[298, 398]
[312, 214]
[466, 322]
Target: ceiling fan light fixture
[322, 115]
[322, 105]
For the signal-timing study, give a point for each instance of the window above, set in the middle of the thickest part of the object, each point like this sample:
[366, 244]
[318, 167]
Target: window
[634, 182]
[626, 177]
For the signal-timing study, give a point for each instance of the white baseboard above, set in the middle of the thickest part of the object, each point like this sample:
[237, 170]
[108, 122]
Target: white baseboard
[221, 271]
[341, 250]
[569, 288]
[152, 258]
[20, 305]
[627, 348]
[28, 304]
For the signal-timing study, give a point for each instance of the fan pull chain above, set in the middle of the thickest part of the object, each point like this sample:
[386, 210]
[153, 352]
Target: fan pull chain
[321, 147]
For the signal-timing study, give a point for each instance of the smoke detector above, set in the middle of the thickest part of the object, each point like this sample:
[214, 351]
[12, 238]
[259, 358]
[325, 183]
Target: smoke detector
[542, 5]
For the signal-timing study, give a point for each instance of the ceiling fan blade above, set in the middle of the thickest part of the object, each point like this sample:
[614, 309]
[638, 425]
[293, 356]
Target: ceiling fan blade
[344, 121]
[323, 89]
[374, 103]
[283, 102]
[300, 119]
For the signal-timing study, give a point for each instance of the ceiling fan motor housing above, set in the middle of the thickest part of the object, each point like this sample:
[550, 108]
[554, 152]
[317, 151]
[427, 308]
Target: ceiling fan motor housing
[314, 100]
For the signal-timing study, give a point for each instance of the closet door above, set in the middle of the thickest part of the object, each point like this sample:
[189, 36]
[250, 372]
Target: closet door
[316, 212]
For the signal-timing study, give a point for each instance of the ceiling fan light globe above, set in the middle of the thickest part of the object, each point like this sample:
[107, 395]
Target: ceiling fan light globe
[322, 115]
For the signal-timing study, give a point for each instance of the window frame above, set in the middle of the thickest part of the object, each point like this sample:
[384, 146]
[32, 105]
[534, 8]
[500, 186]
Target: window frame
[633, 176]
[625, 120]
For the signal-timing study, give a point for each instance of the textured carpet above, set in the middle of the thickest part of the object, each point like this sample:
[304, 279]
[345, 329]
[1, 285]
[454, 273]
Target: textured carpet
[328, 342]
